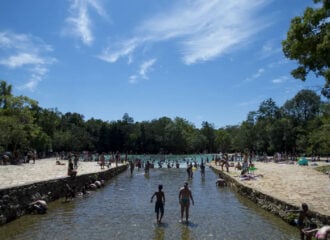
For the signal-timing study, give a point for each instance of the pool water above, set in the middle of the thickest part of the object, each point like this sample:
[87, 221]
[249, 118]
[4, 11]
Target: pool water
[122, 210]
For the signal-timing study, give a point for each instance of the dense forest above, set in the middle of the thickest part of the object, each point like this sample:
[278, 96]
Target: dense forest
[300, 126]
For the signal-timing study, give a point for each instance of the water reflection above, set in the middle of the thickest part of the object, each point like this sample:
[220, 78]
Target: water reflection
[159, 232]
[122, 210]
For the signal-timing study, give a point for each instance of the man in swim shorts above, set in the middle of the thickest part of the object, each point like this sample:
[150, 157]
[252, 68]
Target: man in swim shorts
[184, 199]
[159, 205]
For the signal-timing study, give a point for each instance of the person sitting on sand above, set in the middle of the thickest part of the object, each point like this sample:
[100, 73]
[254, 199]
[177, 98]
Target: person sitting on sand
[59, 162]
[238, 166]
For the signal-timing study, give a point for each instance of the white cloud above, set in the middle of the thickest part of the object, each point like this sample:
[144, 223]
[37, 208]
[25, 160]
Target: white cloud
[256, 75]
[281, 79]
[203, 30]
[79, 23]
[133, 79]
[123, 49]
[27, 53]
[269, 50]
[21, 59]
[145, 67]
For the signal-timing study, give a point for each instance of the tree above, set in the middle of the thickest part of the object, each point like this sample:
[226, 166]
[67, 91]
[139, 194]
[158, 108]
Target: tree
[208, 131]
[304, 106]
[5, 92]
[308, 42]
[268, 110]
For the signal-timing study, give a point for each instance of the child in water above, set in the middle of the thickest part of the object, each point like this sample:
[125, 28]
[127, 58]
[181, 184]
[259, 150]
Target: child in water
[159, 205]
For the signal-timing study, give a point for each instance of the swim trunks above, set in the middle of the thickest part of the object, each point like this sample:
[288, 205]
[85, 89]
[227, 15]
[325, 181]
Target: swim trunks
[159, 206]
[185, 201]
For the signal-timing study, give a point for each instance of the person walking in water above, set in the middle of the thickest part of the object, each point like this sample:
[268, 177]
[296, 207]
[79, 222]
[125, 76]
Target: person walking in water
[160, 202]
[184, 198]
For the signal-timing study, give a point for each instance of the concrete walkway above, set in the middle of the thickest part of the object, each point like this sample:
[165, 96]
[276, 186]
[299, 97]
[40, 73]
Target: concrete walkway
[42, 170]
[290, 183]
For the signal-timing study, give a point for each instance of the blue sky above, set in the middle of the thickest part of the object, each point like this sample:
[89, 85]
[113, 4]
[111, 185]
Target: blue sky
[201, 60]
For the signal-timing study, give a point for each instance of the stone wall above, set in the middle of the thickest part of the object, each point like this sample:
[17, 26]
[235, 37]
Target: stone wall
[271, 204]
[14, 201]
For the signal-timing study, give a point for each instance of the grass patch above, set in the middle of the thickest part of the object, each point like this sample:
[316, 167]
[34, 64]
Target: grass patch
[323, 169]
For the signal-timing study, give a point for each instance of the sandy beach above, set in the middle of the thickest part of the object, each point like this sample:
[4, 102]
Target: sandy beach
[42, 170]
[291, 183]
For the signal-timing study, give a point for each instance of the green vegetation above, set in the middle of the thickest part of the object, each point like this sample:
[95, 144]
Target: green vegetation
[300, 126]
[308, 42]
[323, 169]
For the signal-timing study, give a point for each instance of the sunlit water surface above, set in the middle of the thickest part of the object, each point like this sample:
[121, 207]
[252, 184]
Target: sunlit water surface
[122, 210]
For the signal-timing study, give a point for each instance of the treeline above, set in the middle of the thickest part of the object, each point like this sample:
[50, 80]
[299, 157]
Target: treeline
[300, 126]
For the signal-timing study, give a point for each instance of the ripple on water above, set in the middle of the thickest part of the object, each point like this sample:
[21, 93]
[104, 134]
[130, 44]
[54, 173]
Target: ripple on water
[122, 210]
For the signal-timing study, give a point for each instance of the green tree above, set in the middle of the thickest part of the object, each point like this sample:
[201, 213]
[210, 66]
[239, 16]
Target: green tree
[308, 42]
[209, 132]
[304, 106]
[5, 92]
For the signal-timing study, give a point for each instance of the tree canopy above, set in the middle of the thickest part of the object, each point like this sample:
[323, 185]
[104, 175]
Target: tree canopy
[308, 42]
[300, 126]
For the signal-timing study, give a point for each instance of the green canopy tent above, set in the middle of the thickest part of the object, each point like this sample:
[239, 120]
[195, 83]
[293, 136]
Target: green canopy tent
[303, 162]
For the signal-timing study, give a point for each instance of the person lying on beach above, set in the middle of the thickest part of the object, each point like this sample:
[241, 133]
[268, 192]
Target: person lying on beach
[59, 163]
[248, 176]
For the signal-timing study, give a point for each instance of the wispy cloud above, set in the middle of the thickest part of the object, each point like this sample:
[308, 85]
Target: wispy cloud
[124, 48]
[202, 29]
[145, 67]
[254, 102]
[256, 75]
[79, 22]
[281, 79]
[26, 52]
[269, 50]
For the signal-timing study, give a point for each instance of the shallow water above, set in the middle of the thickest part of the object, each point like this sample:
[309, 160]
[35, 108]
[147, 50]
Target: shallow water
[122, 210]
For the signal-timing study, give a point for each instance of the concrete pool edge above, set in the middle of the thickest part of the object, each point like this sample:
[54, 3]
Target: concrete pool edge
[14, 201]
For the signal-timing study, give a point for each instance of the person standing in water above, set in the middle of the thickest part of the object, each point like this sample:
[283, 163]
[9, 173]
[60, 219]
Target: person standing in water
[160, 202]
[184, 199]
